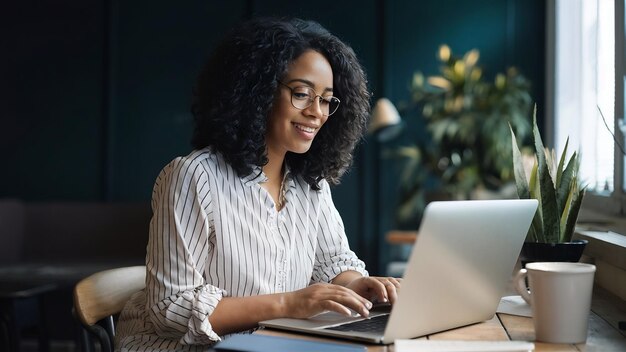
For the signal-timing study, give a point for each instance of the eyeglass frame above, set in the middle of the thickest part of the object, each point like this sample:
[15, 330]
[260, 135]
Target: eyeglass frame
[312, 99]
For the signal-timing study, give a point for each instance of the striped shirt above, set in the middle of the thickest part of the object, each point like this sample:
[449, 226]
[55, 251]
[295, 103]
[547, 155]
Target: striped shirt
[215, 234]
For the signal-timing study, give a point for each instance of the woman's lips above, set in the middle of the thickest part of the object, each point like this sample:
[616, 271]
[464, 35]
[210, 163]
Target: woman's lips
[307, 132]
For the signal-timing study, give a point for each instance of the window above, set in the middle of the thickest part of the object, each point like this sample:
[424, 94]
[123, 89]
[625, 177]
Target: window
[588, 94]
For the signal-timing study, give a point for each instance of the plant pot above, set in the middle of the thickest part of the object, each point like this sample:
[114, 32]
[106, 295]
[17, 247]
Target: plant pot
[552, 252]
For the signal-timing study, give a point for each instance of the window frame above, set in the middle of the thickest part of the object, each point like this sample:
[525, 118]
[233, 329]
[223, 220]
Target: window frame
[615, 202]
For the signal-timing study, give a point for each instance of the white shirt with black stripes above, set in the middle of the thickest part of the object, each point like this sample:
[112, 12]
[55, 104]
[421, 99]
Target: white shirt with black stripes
[215, 234]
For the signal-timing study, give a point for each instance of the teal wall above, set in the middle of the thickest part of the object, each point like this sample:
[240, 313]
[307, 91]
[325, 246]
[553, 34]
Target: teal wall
[95, 95]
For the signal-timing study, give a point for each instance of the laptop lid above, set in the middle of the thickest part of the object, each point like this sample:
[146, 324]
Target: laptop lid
[458, 270]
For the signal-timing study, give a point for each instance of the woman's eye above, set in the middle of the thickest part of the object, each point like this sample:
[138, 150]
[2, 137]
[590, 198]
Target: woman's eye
[326, 100]
[301, 96]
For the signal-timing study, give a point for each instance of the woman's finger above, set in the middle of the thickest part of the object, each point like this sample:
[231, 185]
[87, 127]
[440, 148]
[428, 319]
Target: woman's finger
[390, 287]
[352, 300]
[333, 306]
[377, 286]
[396, 282]
[346, 298]
[351, 293]
[391, 290]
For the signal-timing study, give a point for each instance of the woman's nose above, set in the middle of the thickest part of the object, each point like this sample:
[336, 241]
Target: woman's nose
[316, 107]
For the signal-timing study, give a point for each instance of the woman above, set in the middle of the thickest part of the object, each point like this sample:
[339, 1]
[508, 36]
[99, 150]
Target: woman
[244, 227]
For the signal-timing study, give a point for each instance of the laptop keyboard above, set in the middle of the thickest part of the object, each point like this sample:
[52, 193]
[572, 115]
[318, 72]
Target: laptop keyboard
[373, 325]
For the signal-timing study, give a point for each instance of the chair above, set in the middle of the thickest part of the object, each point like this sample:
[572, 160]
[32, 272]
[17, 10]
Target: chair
[99, 297]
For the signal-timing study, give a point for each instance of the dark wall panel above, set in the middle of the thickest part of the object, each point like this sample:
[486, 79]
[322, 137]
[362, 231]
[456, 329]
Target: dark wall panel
[528, 51]
[159, 48]
[417, 29]
[51, 100]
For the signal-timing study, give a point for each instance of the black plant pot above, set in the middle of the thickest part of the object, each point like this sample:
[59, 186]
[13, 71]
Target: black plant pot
[552, 252]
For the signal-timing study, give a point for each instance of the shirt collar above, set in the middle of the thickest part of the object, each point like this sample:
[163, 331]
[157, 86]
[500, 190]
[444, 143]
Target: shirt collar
[258, 176]
[255, 176]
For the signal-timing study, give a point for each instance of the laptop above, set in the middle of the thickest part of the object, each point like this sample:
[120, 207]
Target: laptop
[458, 270]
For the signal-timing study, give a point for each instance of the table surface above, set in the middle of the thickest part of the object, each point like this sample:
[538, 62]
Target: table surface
[606, 311]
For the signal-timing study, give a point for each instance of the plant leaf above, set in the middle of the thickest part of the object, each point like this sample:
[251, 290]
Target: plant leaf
[535, 230]
[565, 187]
[550, 213]
[567, 234]
[561, 163]
[537, 225]
[532, 185]
[571, 194]
[523, 192]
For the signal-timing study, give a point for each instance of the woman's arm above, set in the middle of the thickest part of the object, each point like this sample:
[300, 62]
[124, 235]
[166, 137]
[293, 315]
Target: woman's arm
[333, 256]
[335, 260]
[178, 300]
[346, 277]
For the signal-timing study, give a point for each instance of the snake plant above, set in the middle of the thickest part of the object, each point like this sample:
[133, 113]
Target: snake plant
[556, 186]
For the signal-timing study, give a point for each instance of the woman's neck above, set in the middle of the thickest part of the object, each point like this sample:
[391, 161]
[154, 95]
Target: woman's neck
[273, 170]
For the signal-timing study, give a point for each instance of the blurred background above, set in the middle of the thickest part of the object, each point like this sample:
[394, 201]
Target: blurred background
[95, 99]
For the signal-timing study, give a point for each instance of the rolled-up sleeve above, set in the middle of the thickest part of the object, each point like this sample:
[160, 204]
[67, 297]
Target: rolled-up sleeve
[179, 301]
[333, 255]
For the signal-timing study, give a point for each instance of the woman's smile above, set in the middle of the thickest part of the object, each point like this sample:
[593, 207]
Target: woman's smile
[307, 132]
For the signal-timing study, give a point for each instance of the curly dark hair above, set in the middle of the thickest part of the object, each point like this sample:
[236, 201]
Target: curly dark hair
[237, 86]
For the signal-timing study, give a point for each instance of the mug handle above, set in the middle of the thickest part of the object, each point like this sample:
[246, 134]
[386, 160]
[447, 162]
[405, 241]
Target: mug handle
[520, 284]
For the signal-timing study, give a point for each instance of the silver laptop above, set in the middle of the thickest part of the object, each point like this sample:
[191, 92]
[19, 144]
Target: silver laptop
[458, 270]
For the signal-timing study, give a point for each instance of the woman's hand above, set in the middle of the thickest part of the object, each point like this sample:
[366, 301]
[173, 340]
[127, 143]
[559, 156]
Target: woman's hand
[321, 297]
[382, 289]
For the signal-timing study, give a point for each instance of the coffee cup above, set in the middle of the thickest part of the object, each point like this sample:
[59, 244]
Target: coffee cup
[559, 294]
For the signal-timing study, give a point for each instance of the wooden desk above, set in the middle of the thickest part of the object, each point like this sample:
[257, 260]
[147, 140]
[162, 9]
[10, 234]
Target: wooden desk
[603, 335]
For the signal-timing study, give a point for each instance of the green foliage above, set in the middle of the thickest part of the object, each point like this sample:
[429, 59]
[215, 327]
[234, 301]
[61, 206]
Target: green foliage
[555, 186]
[467, 119]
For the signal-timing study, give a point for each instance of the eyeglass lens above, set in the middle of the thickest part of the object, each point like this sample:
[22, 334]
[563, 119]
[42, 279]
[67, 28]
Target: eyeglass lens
[303, 97]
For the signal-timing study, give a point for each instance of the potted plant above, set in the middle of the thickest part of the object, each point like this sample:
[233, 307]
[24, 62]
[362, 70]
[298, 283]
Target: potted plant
[462, 142]
[556, 185]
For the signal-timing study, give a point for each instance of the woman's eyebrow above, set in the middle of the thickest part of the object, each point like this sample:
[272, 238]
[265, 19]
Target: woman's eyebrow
[308, 83]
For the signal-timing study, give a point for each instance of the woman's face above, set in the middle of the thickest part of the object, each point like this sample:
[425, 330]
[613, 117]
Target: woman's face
[290, 129]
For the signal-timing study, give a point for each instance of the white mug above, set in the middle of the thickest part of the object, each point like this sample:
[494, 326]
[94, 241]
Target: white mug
[559, 294]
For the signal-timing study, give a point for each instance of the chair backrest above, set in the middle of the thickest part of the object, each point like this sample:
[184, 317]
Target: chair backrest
[100, 296]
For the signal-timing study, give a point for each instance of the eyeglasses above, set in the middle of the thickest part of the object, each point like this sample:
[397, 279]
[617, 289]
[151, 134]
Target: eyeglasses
[302, 97]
